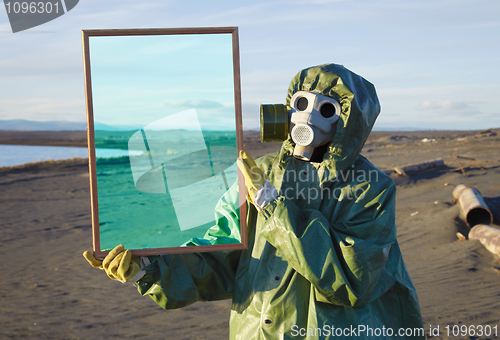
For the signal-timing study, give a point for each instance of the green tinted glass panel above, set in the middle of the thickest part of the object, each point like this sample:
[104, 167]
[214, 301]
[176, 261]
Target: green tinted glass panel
[168, 102]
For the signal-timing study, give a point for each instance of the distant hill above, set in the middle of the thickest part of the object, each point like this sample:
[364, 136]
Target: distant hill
[382, 128]
[29, 125]
[391, 129]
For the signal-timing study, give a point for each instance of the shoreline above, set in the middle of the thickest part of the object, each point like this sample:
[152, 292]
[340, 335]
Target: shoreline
[44, 165]
[44, 138]
[79, 138]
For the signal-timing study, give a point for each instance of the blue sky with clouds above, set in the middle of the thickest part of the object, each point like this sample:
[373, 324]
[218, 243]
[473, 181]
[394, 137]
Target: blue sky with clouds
[434, 63]
[133, 85]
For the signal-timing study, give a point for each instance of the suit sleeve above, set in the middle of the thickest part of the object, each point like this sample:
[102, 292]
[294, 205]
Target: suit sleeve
[343, 255]
[175, 281]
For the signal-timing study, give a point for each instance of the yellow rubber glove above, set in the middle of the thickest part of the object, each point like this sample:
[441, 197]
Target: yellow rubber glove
[119, 264]
[259, 191]
[254, 176]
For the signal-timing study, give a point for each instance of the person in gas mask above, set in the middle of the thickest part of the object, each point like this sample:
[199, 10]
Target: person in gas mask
[322, 260]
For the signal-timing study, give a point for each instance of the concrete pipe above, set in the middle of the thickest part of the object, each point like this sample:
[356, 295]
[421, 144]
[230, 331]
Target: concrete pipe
[473, 208]
[488, 236]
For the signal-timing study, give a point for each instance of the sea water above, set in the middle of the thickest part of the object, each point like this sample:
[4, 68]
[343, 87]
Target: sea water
[12, 155]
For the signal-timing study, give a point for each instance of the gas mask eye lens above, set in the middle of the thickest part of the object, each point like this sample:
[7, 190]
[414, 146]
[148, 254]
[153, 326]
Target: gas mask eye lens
[327, 110]
[302, 103]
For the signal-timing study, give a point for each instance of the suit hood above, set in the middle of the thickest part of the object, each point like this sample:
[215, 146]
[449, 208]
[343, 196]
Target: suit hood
[360, 108]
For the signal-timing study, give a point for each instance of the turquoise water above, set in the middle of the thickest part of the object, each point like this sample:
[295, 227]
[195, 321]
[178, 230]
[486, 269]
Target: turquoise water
[12, 155]
[167, 194]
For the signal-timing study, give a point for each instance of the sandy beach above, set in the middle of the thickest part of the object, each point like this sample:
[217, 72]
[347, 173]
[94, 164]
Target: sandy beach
[50, 292]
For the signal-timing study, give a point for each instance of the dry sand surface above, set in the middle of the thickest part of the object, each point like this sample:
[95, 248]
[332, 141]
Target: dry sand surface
[48, 291]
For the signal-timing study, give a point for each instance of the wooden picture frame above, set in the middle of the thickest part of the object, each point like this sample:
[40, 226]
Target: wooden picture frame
[120, 66]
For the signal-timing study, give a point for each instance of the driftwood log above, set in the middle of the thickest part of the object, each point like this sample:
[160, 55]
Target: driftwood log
[404, 170]
[488, 236]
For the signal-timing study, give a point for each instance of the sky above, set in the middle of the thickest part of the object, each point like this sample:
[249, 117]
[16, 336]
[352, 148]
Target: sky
[435, 64]
[133, 86]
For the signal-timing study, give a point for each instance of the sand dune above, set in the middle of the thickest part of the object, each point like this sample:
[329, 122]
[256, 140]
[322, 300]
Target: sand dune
[50, 292]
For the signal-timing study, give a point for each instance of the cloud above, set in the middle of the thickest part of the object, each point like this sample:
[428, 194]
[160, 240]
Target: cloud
[62, 105]
[452, 108]
[445, 105]
[195, 103]
[316, 2]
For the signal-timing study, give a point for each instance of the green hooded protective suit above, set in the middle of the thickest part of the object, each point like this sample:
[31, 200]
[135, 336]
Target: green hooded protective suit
[323, 261]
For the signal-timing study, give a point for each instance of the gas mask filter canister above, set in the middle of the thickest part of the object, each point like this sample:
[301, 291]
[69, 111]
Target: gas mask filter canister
[313, 115]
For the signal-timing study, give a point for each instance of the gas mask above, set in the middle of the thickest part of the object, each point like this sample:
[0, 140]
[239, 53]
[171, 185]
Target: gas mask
[312, 116]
